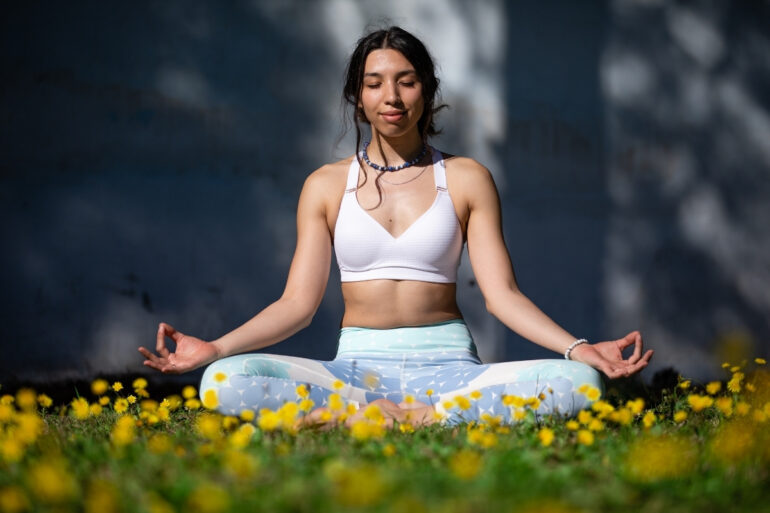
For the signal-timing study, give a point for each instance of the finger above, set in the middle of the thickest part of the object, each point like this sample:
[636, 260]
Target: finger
[147, 354]
[153, 365]
[160, 343]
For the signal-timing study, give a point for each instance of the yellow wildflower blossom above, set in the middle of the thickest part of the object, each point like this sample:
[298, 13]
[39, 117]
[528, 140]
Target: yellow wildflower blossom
[389, 450]
[651, 459]
[585, 437]
[123, 432]
[622, 416]
[409, 399]
[139, 384]
[760, 361]
[99, 387]
[680, 416]
[699, 402]
[593, 394]
[735, 368]
[210, 399]
[595, 425]
[120, 405]
[725, 365]
[462, 402]
[209, 425]
[373, 413]
[159, 443]
[585, 416]
[117, 386]
[714, 387]
[602, 408]
[572, 425]
[429, 392]
[80, 408]
[335, 402]
[52, 482]
[268, 420]
[13, 500]
[734, 442]
[636, 406]
[131, 399]
[725, 405]
[363, 430]
[533, 402]
[26, 399]
[208, 498]
[189, 392]
[465, 464]
[95, 409]
[247, 415]
[302, 391]
[306, 405]
[190, 404]
[519, 414]
[288, 413]
[742, 408]
[406, 428]
[546, 436]
[684, 385]
[104, 400]
[734, 385]
[649, 419]
[44, 401]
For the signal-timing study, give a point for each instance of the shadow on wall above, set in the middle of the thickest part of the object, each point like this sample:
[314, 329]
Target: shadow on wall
[686, 89]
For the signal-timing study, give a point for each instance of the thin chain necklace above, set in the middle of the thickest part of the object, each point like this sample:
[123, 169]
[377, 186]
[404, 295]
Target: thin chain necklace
[415, 177]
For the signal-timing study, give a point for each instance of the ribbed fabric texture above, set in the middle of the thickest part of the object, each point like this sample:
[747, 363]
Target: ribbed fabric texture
[429, 250]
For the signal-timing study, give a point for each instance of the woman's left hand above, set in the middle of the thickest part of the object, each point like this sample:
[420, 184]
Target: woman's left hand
[608, 356]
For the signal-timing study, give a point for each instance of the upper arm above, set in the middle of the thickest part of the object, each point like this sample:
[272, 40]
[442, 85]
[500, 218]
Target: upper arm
[309, 271]
[488, 254]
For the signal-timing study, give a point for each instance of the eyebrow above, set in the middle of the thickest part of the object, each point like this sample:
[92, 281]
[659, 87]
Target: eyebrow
[398, 75]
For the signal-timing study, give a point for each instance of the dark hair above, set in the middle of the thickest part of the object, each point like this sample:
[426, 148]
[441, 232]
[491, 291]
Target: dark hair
[394, 38]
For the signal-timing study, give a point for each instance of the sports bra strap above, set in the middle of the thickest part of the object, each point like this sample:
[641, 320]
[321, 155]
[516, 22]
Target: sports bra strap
[439, 171]
[352, 183]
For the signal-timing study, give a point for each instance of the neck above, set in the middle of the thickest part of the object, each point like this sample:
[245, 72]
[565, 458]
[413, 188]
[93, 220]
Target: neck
[395, 150]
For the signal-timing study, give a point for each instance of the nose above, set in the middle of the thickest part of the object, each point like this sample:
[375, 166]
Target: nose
[391, 93]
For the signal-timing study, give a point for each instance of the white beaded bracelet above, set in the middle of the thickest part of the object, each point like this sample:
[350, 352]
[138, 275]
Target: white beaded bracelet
[573, 346]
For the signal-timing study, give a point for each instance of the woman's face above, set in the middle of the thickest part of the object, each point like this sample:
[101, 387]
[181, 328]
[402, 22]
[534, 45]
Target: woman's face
[391, 97]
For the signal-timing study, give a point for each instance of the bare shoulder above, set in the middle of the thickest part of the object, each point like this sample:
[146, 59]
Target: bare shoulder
[329, 175]
[468, 180]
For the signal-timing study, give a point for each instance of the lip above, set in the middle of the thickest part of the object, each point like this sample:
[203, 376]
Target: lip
[393, 116]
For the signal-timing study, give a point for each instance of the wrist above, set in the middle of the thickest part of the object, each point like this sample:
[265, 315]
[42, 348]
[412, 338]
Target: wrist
[569, 353]
[219, 349]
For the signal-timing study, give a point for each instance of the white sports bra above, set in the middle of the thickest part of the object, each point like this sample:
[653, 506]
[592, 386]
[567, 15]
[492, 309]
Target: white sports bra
[429, 250]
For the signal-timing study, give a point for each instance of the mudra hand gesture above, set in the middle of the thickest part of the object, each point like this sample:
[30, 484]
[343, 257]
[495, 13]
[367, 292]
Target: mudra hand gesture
[608, 356]
[190, 352]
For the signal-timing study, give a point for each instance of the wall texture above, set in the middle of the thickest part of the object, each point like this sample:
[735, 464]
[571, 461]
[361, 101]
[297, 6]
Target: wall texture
[153, 153]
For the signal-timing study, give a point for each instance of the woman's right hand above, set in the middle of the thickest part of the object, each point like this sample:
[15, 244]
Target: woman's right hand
[190, 352]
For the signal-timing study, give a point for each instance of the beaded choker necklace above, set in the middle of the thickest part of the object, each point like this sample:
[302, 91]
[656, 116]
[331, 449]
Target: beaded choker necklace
[393, 168]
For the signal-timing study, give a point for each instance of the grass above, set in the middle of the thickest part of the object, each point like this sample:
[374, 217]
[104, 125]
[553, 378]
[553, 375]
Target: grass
[164, 457]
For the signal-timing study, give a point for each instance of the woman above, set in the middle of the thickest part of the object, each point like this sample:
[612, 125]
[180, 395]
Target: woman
[397, 214]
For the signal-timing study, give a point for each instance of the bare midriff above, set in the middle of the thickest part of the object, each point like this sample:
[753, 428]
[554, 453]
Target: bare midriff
[384, 304]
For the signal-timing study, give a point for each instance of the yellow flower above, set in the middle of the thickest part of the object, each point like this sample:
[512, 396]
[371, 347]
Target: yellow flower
[725, 405]
[760, 361]
[742, 408]
[208, 498]
[131, 399]
[735, 368]
[409, 399]
[546, 436]
[26, 399]
[80, 408]
[44, 401]
[725, 365]
[338, 385]
[462, 402]
[684, 385]
[13, 499]
[475, 395]
[584, 388]
[364, 430]
[355, 486]
[268, 420]
[623, 416]
[139, 384]
[585, 416]
[117, 386]
[429, 392]
[649, 419]
[406, 428]
[593, 393]
[651, 459]
[335, 402]
[519, 414]
[52, 482]
[595, 425]
[533, 402]
[734, 442]
[373, 413]
[99, 386]
[572, 425]
[465, 464]
[220, 377]
[680, 416]
[241, 465]
[389, 450]
[210, 399]
[159, 443]
[7, 399]
[190, 404]
[699, 402]
[247, 415]
[714, 387]
[306, 405]
[602, 408]
[288, 413]
[209, 425]
[734, 385]
[120, 405]
[123, 432]
[95, 410]
[585, 437]
[302, 391]
[636, 406]
[189, 392]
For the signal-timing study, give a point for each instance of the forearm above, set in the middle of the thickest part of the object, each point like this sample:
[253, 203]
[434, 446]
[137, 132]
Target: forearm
[275, 323]
[520, 314]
